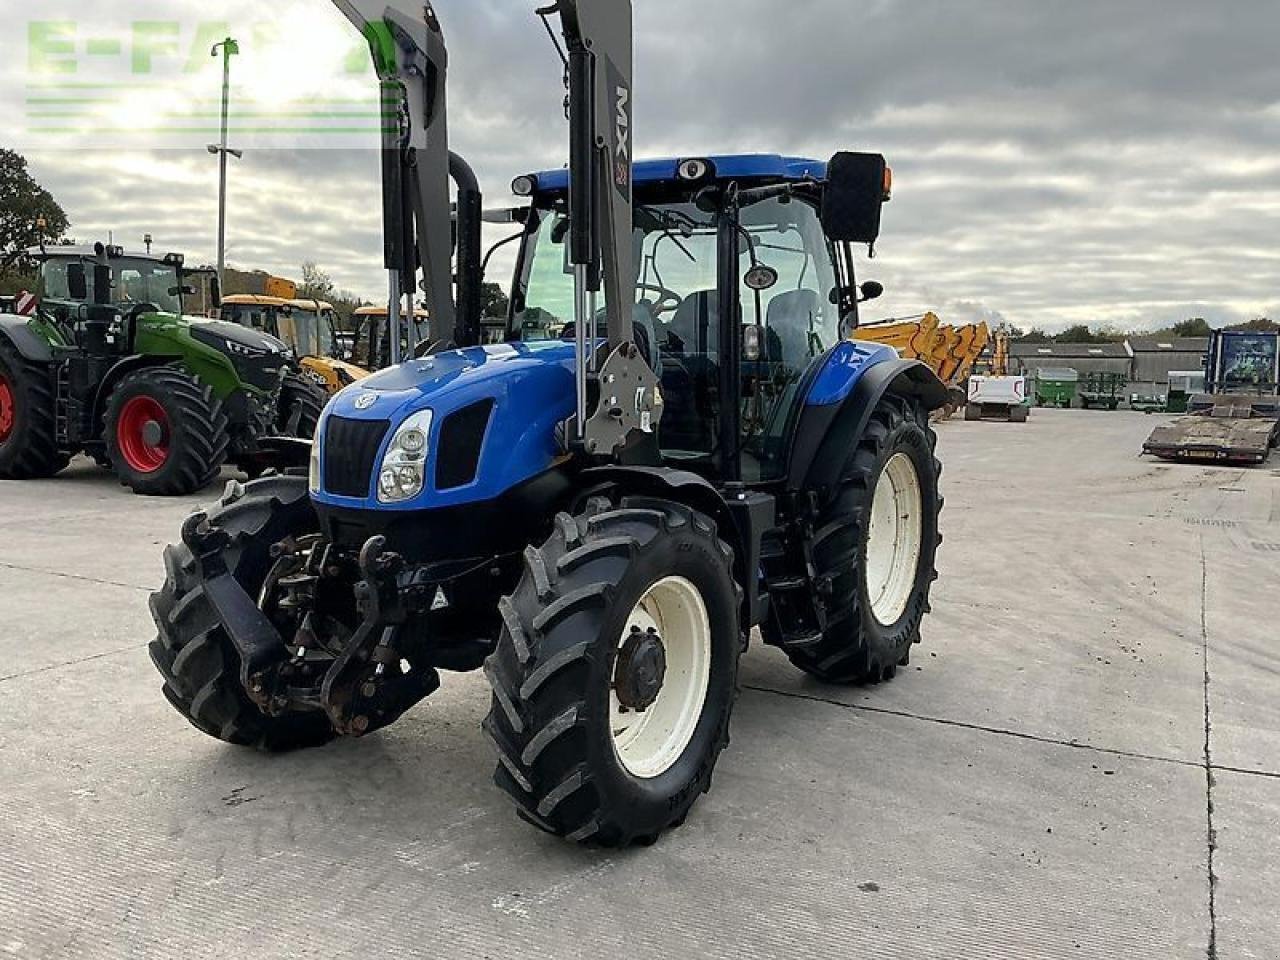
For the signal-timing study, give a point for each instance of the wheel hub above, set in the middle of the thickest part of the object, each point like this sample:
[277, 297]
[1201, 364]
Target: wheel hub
[143, 434]
[6, 410]
[640, 670]
[152, 433]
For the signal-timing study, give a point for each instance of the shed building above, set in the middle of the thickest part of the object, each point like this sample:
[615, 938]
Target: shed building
[1155, 357]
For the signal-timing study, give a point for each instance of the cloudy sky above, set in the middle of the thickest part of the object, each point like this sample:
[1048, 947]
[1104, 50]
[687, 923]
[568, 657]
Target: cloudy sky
[1055, 163]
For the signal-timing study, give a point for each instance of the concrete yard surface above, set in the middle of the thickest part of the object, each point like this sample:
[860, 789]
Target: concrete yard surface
[1081, 761]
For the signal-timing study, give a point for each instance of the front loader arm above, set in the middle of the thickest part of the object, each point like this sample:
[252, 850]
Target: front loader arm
[598, 35]
[411, 61]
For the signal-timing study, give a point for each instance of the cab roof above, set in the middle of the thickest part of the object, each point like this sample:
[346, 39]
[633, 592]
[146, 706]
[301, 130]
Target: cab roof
[254, 300]
[55, 252]
[382, 312]
[744, 166]
[308, 304]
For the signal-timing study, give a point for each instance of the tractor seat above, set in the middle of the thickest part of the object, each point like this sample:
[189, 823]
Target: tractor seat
[788, 319]
[694, 329]
[642, 333]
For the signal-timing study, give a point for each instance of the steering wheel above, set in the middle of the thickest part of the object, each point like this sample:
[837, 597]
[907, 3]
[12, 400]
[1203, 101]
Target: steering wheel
[668, 299]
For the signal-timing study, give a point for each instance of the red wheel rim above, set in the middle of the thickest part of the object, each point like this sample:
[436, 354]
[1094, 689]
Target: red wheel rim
[7, 413]
[132, 429]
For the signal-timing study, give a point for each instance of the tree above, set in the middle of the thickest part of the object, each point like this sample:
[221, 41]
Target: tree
[1034, 335]
[495, 301]
[1080, 333]
[316, 284]
[23, 205]
[1195, 327]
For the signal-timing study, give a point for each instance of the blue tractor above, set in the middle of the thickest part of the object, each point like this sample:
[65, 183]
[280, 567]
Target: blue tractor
[599, 510]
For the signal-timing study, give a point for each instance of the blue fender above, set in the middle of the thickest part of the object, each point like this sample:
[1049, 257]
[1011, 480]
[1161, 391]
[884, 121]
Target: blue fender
[839, 400]
[531, 385]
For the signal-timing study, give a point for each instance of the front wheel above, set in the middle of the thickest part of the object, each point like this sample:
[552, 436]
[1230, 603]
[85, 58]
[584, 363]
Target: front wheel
[874, 550]
[616, 671]
[192, 651]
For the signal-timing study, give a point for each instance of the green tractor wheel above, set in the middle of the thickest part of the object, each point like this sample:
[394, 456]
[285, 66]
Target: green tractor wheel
[28, 438]
[166, 433]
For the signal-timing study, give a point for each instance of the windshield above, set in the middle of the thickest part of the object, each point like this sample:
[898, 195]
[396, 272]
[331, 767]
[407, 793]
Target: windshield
[676, 310]
[306, 331]
[132, 282]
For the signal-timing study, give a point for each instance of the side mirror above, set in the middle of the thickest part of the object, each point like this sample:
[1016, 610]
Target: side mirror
[858, 185]
[215, 293]
[77, 283]
[871, 290]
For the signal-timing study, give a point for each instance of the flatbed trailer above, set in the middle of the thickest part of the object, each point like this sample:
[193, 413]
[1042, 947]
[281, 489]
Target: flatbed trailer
[1238, 419]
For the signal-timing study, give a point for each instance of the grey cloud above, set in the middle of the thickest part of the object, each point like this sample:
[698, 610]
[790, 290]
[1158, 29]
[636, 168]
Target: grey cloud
[1056, 163]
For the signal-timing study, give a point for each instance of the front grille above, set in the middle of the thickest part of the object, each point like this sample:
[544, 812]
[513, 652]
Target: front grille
[350, 452]
[461, 437]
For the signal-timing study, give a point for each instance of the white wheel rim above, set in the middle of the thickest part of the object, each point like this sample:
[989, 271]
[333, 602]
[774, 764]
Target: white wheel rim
[649, 742]
[894, 539]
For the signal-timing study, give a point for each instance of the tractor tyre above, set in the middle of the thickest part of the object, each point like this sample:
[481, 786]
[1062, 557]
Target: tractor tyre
[873, 550]
[301, 403]
[28, 431]
[200, 666]
[972, 411]
[166, 432]
[1018, 413]
[616, 671]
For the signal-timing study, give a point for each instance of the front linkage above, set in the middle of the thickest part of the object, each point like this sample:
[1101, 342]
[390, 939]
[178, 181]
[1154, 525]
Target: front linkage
[362, 685]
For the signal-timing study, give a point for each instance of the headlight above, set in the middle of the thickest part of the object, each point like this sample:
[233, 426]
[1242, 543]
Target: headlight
[404, 469]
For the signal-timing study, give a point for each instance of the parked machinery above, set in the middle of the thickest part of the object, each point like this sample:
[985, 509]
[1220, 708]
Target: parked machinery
[1056, 386]
[112, 366]
[1100, 388]
[599, 510]
[371, 343]
[994, 394]
[1237, 419]
[949, 351]
[307, 327]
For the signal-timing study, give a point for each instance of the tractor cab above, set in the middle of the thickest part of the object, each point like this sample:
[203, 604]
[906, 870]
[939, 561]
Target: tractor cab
[371, 347]
[266, 314]
[790, 282]
[124, 285]
[310, 329]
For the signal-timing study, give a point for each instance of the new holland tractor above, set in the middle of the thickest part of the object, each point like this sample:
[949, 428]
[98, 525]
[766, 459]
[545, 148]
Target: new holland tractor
[111, 366]
[600, 510]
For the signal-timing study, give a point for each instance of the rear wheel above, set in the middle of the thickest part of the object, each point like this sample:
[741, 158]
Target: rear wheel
[28, 434]
[874, 550]
[166, 433]
[972, 411]
[615, 673]
[200, 666]
[301, 403]
[1018, 413]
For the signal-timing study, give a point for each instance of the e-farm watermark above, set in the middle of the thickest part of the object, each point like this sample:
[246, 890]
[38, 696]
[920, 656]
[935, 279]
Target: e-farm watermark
[147, 83]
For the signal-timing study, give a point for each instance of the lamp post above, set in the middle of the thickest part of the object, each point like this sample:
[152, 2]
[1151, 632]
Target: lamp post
[229, 49]
[147, 240]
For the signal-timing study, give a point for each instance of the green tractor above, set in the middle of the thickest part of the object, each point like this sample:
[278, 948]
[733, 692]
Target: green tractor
[111, 366]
